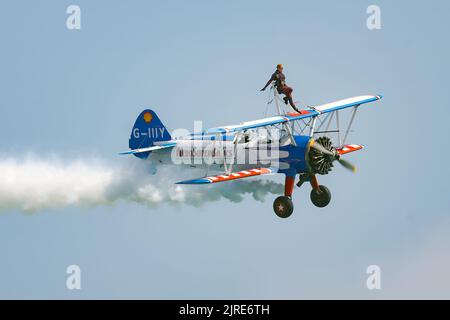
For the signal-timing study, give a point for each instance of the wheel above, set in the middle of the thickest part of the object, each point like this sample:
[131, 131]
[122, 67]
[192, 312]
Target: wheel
[321, 198]
[283, 206]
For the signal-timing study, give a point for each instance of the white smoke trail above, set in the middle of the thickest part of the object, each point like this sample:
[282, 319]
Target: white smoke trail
[35, 183]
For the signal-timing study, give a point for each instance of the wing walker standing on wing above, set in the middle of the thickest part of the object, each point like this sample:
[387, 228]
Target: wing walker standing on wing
[279, 80]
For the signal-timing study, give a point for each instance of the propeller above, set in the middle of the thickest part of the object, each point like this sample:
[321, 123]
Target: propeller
[322, 149]
[347, 165]
[324, 154]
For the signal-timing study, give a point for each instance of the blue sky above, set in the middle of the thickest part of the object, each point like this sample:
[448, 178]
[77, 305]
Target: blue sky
[75, 94]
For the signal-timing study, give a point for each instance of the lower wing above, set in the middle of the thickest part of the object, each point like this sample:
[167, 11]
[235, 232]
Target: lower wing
[231, 176]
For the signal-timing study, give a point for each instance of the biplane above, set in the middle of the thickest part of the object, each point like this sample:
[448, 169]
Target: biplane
[303, 144]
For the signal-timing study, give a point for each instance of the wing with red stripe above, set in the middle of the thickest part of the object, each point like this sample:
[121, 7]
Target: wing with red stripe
[228, 177]
[349, 148]
[292, 116]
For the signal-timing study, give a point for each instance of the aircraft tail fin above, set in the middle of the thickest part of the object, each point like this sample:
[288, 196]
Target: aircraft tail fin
[146, 131]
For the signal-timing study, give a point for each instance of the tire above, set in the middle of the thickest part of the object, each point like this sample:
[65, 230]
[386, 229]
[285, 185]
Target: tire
[321, 198]
[283, 206]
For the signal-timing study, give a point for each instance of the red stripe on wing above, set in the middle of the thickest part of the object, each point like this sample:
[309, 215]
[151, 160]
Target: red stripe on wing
[295, 114]
[239, 175]
[349, 148]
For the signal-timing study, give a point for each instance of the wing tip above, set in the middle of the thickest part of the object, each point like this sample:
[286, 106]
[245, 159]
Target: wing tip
[125, 153]
[194, 181]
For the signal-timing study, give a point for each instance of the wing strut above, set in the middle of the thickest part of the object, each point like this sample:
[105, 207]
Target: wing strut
[350, 124]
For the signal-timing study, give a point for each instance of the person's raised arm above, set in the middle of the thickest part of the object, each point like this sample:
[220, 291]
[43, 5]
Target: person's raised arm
[268, 82]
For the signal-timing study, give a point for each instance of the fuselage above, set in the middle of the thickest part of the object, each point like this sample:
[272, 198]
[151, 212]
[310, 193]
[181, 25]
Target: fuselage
[210, 153]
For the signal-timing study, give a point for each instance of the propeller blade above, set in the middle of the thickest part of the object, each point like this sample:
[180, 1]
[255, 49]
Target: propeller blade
[322, 149]
[347, 165]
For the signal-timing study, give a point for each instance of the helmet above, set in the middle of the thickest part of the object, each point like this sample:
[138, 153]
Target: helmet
[279, 66]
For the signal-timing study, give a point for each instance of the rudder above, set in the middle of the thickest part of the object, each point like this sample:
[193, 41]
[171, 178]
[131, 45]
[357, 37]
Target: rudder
[146, 131]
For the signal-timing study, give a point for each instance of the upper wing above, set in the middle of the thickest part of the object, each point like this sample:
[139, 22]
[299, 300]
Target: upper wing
[292, 116]
[258, 123]
[346, 103]
[228, 177]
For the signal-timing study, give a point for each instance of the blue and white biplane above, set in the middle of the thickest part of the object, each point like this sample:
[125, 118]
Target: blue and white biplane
[304, 143]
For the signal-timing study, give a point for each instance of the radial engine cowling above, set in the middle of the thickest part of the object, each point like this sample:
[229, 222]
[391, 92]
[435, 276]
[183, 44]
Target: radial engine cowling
[321, 155]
